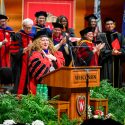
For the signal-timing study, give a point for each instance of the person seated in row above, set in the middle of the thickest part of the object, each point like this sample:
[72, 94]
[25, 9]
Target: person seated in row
[88, 53]
[43, 59]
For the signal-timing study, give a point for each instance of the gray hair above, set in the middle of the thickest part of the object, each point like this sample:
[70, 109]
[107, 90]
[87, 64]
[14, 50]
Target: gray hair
[27, 21]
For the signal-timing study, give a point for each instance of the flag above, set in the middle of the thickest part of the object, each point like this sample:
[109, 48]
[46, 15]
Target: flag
[97, 12]
[115, 44]
[123, 22]
[2, 7]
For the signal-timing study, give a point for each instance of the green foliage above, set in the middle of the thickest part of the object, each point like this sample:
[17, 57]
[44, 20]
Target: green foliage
[28, 109]
[65, 121]
[116, 99]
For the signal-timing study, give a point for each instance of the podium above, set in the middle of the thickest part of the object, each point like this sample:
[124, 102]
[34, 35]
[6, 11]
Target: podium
[70, 84]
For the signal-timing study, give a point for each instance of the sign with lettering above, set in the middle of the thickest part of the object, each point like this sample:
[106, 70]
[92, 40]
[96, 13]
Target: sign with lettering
[81, 76]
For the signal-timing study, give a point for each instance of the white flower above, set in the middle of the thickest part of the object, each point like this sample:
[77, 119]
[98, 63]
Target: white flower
[109, 116]
[38, 122]
[95, 116]
[8, 122]
[89, 112]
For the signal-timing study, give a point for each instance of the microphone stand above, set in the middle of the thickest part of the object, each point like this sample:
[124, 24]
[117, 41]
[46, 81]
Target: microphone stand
[87, 77]
[87, 89]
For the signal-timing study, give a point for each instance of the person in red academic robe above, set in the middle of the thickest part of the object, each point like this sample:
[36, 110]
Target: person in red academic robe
[87, 52]
[5, 40]
[44, 58]
[20, 52]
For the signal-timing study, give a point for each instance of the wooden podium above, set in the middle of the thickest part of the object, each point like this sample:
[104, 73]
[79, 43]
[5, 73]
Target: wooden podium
[70, 84]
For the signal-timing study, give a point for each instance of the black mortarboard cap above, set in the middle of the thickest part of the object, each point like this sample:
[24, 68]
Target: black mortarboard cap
[3, 16]
[85, 31]
[41, 33]
[108, 19]
[57, 25]
[91, 16]
[41, 13]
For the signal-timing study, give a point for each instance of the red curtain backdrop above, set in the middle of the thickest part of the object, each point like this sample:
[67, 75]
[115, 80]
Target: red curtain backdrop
[54, 7]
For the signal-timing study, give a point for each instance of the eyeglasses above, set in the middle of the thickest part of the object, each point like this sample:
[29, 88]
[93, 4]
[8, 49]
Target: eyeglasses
[27, 27]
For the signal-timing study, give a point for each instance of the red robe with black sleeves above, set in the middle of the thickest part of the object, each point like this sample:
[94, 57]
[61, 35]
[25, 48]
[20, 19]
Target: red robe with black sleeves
[20, 61]
[39, 65]
[85, 54]
[5, 59]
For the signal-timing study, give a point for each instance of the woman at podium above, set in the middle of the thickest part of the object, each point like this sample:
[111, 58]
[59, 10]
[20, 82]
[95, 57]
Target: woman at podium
[87, 52]
[43, 59]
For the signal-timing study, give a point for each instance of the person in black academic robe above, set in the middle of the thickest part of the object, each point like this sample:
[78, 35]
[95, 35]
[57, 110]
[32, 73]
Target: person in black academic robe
[112, 54]
[92, 22]
[20, 52]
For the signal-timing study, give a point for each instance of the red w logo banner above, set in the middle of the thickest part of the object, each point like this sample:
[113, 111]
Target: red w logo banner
[116, 44]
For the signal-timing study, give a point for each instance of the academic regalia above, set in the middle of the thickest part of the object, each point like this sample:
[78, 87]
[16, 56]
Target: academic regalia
[95, 29]
[20, 61]
[5, 59]
[41, 28]
[90, 17]
[39, 65]
[62, 49]
[56, 40]
[112, 65]
[66, 29]
[85, 55]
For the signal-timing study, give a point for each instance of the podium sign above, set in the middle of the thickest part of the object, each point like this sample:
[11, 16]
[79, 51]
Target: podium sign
[73, 77]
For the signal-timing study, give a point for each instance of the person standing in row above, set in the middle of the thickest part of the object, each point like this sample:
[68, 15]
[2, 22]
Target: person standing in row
[20, 53]
[88, 53]
[112, 54]
[92, 22]
[66, 30]
[61, 42]
[40, 25]
[6, 33]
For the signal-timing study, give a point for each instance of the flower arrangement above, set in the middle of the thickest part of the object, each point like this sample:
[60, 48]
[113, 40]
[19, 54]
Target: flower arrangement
[98, 114]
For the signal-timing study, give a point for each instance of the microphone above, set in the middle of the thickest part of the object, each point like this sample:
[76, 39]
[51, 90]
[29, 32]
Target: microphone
[83, 62]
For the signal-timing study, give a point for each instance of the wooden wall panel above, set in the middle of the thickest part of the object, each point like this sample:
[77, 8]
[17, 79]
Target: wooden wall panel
[83, 8]
[14, 12]
[114, 9]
